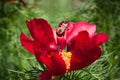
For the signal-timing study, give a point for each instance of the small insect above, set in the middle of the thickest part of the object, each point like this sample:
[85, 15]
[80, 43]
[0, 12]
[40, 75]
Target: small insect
[60, 30]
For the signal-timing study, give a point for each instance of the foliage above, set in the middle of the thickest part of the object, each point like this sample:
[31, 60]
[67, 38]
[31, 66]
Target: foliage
[17, 64]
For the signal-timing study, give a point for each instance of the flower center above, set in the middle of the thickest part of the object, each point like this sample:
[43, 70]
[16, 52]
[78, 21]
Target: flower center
[67, 58]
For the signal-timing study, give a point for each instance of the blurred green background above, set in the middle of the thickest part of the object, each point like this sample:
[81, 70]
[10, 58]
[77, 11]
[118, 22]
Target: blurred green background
[17, 64]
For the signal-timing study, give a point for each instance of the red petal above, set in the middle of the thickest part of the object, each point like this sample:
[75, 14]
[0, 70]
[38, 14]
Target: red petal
[58, 65]
[81, 40]
[43, 59]
[74, 28]
[27, 43]
[84, 59]
[40, 28]
[61, 43]
[43, 36]
[100, 39]
[45, 76]
[43, 48]
[54, 62]
[83, 52]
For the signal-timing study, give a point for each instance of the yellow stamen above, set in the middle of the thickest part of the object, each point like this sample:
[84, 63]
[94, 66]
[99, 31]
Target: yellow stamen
[67, 58]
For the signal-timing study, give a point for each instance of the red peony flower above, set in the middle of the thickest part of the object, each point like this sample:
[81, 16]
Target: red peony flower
[48, 45]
